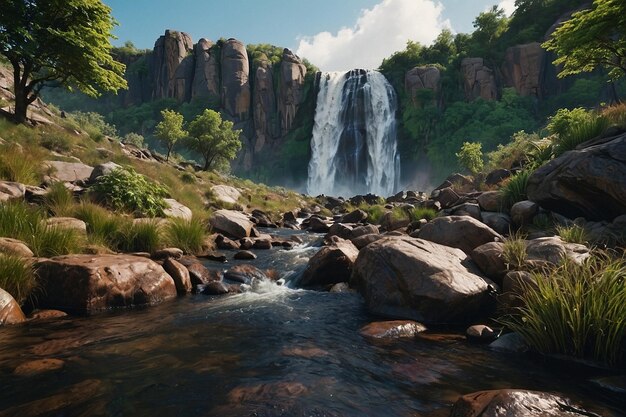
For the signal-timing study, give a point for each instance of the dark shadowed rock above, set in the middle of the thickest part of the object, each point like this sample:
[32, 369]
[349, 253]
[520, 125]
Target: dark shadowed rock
[83, 283]
[497, 176]
[499, 222]
[415, 279]
[331, 264]
[291, 91]
[198, 273]
[364, 240]
[356, 216]
[516, 403]
[489, 201]
[523, 212]
[522, 68]
[589, 182]
[245, 255]
[180, 275]
[215, 288]
[462, 232]
[490, 260]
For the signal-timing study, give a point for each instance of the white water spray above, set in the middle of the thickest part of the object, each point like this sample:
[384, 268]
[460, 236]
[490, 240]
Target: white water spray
[354, 147]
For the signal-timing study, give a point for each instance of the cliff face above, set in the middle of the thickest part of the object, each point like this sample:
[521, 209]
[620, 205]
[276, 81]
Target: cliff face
[261, 99]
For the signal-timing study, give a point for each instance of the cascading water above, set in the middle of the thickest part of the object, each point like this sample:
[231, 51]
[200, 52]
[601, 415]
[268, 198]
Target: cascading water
[353, 149]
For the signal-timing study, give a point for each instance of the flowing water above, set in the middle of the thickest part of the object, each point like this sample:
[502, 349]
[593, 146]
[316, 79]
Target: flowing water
[275, 352]
[353, 149]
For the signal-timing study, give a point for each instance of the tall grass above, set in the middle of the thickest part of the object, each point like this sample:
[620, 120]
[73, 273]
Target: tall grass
[103, 228]
[16, 276]
[59, 200]
[142, 236]
[18, 165]
[577, 310]
[514, 189]
[19, 221]
[580, 133]
[188, 235]
[375, 212]
[419, 213]
[573, 234]
[514, 251]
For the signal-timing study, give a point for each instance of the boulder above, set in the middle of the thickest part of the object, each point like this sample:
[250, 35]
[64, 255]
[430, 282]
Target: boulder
[245, 274]
[85, 283]
[317, 225]
[423, 78]
[588, 182]
[235, 71]
[510, 342]
[198, 273]
[14, 247]
[514, 285]
[331, 264]
[395, 329]
[467, 209]
[497, 176]
[356, 216]
[462, 232]
[481, 334]
[245, 255]
[177, 210]
[69, 223]
[499, 222]
[10, 311]
[262, 219]
[415, 279]
[478, 80]
[364, 230]
[523, 212]
[389, 222]
[344, 231]
[522, 68]
[232, 223]
[69, 171]
[165, 253]
[516, 403]
[490, 260]
[489, 201]
[215, 288]
[179, 274]
[552, 250]
[362, 241]
[226, 193]
[446, 196]
[11, 191]
[225, 243]
[102, 170]
[262, 243]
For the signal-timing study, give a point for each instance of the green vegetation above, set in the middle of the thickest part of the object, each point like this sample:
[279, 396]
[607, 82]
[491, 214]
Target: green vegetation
[514, 253]
[19, 165]
[580, 133]
[213, 138]
[419, 213]
[594, 37]
[188, 235]
[133, 139]
[471, 157]
[128, 191]
[59, 200]
[577, 310]
[170, 130]
[16, 276]
[573, 234]
[514, 190]
[140, 236]
[68, 45]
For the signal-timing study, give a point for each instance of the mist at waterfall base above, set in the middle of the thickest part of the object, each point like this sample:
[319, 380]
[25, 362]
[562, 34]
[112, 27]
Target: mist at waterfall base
[353, 148]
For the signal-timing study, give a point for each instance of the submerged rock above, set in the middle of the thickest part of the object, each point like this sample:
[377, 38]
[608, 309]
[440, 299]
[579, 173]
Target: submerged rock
[395, 329]
[331, 264]
[402, 277]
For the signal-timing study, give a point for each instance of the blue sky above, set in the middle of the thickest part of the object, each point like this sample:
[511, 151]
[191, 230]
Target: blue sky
[333, 34]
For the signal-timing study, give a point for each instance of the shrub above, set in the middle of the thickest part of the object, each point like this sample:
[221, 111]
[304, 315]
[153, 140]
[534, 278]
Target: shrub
[514, 189]
[564, 120]
[59, 200]
[577, 310]
[471, 157]
[16, 277]
[573, 234]
[580, 133]
[188, 178]
[419, 213]
[131, 192]
[188, 235]
[375, 213]
[56, 142]
[616, 114]
[55, 241]
[133, 139]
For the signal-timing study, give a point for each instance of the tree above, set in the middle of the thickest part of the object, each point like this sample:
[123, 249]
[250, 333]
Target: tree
[170, 130]
[213, 138]
[58, 42]
[592, 38]
[471, 157]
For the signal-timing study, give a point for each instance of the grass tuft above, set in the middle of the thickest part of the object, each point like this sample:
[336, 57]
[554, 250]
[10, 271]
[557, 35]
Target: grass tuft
[580, 133]
[16, 277]
[59, 200]
[188, 235]
[419, 213]
[573, 234]
[514, 189]
[514, 252]
[140, 236]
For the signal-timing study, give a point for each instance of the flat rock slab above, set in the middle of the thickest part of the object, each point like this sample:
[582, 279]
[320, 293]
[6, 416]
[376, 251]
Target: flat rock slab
[69, 171]
[394, 329]
[39, 366]
[226, 193]
[177, 210]
[86, 283]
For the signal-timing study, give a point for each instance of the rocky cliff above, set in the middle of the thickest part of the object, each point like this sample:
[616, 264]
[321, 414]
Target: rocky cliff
[262, 98]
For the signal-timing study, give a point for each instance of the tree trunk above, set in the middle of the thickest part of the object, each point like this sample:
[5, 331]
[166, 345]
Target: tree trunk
[21, 104]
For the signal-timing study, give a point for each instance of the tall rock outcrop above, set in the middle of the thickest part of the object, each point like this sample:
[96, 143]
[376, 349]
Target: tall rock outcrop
[478, 80]
[291, 89]
[206, 76]
[264, 105]
[427, 77]
[522, 68]
[235, 70]
[171, 52]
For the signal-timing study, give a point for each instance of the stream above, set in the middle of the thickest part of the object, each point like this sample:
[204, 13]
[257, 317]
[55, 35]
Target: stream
[277, 351]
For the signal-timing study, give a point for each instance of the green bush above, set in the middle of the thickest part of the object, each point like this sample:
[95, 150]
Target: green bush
[103, 228]
[375, 212]
[140, 236]
[470, 157]
[16, 277]
[580, 133]
[133, 139]
[564, 120]
[56, 142]
[131, 192]
[577, 310]
[419, 213]
[514, 189]
[188, 178]
[188, 235]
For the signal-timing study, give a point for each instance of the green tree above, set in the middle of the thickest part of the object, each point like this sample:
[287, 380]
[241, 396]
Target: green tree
[58, 42]
[471, 157]
[592, 38]
[213, 138]
[170, 130]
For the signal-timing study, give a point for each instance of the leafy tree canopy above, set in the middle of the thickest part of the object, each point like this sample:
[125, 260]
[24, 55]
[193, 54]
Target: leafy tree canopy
[170, 130]
[213, 138]
[592, 38]
[62, 41]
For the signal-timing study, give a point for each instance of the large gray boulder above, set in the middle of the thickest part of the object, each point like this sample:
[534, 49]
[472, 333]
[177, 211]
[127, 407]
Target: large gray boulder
[15, 247]
[11, 191]
[402, 277]
[235, 224]
[462, 232]
[177, 210]
[85, 283]
[331, 264]
[516, 403]
[589, 182]
[69, 171]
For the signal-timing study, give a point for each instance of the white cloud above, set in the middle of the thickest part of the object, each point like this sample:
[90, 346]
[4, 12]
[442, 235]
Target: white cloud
[378, 33]
[508, 6]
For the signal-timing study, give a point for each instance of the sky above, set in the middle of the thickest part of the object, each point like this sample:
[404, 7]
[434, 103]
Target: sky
[335, 35]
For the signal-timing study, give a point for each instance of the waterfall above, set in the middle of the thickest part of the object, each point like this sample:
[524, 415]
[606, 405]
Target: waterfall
[353, 149]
